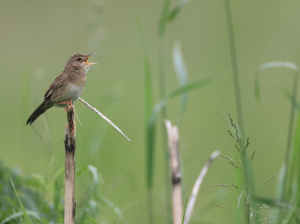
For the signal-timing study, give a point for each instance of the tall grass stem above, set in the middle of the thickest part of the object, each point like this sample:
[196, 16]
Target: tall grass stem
[238, 97]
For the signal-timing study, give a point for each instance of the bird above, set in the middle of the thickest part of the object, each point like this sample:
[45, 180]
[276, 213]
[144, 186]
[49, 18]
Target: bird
[69, 85]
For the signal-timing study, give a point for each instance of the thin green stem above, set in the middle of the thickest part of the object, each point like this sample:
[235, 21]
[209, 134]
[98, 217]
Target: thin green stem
[163, 114]
[150, 206]
[286, 178]
[291, 126]
[238, 97]
[162, 94]
[234, 65]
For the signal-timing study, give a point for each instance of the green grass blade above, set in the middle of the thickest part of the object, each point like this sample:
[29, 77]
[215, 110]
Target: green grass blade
[148, 99]
[275, 203]
[58, 188]
[148, 96]
[184, 210]
[37, 181]
[163, 18]
[186, 88]
[268, 65]
[288, 181]
[27, 219]
[290, 214]
[257, 87]
[175, 11]
[19, 214]
[219, 196]
[92, 191]
[290, 97]
[105, 201]
[182, 76]
[280, 187]
[293, 179]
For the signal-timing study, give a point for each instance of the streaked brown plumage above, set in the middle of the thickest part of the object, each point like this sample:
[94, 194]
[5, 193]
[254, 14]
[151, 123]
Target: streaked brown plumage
[68, 85]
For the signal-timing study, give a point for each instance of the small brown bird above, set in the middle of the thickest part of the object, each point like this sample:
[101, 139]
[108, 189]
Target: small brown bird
[68, 85]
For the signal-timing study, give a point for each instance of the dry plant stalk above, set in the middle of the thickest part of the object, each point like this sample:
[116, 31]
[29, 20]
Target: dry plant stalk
[173, 138]
[70, 133]
[192, 200]
[101, 115]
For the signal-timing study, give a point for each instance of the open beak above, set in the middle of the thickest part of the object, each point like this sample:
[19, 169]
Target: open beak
[86, 60]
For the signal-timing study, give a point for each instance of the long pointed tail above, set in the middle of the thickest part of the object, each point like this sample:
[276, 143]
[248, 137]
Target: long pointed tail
[39, 111]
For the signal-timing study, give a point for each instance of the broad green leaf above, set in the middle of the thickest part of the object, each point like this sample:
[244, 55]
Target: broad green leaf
[27, 219]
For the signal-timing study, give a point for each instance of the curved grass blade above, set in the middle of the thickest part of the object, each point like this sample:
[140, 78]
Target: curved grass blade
[177, 92]
[275, 203]
[290, 214]
[213, 202]
[154, 115]
[27, 219]
[280, 188]
[290, 97]
[293, 177]
[36, 180]
[174, 12]
[19, 214]
[92, 191]
[57, 192]
[102, 199]
[273, 64]
[163, 18]
[182, 76]
[286, 184]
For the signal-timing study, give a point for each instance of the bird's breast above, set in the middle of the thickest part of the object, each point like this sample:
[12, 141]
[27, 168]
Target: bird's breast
[73, 91]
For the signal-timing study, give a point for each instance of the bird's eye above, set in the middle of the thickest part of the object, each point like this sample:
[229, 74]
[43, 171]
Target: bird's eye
[78, 59]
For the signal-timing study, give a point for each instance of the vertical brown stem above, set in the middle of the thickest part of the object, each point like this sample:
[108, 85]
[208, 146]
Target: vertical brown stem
[175, 170]
[70, 145]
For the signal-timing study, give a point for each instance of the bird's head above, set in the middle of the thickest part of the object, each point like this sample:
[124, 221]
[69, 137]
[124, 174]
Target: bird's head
[79, 61]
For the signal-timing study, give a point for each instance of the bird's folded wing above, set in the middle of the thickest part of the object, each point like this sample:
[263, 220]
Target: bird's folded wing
[56, 84]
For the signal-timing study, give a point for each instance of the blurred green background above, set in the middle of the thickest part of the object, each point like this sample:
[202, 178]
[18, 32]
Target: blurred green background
[37, 39]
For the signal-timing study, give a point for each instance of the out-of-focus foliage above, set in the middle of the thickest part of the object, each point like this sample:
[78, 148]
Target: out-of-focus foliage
[45, 204]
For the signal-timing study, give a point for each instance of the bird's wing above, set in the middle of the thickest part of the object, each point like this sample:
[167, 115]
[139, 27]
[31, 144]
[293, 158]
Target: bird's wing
[56, 84]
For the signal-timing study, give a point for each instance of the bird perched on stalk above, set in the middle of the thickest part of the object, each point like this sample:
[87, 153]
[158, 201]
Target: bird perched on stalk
[68, 85]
